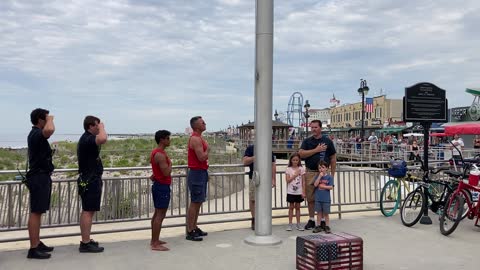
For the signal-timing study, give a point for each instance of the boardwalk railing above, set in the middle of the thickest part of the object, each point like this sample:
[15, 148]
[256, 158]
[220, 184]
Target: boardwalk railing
[128, 198]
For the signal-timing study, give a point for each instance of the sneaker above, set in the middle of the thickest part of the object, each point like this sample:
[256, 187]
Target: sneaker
[94, 242]
[44, 248]
[299, 227]
[200, 232]
[90, 247]
[35, 253]
[252, 224]
[289, 227]
[327, 229]
[323, 224]
[310, 225]
[193, 236]
[317, 229]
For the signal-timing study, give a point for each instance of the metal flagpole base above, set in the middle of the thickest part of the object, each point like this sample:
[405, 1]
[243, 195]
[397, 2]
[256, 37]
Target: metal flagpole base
[426, 220]
[269, 240]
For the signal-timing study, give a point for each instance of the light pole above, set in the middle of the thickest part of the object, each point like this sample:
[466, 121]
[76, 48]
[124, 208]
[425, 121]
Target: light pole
[276, 115]
[306, 106]
[363, 91]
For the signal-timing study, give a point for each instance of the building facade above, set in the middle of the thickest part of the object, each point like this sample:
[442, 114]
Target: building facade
[320, 114]
[349, 116]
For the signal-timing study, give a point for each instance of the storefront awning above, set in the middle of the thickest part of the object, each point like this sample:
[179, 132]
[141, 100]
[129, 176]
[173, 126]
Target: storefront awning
[391, 129]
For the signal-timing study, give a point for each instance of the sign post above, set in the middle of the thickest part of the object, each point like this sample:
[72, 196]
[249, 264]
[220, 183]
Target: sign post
[425, 103]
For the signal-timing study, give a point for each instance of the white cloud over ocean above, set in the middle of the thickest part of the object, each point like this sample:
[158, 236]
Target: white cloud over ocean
[143, 65]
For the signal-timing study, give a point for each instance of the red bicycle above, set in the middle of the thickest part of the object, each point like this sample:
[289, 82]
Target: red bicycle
[452, 213]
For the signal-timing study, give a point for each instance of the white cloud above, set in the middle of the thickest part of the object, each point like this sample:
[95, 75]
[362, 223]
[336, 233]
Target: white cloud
[142, 59]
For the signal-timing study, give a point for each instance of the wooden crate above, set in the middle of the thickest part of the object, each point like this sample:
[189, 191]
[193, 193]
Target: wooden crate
[337, 250]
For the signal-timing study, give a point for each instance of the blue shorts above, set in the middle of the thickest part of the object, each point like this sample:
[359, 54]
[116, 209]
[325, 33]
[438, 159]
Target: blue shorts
[322, 207]
[197, 184]
[160, 195]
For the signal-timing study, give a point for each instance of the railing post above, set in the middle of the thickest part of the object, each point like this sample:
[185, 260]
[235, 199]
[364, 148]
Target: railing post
[10, 206]
[339, 195]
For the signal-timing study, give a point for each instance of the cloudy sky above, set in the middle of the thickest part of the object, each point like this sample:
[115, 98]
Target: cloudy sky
[143, 65]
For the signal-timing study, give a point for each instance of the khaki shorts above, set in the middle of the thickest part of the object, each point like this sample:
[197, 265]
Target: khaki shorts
[309, 187]
[251, 190]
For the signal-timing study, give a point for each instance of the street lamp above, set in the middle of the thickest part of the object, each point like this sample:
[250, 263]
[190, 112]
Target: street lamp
[363, 91]
[276, 115]
[306, 106]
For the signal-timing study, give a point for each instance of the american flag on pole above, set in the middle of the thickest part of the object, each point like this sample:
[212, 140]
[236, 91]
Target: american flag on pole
[369, 105]
[334, 100]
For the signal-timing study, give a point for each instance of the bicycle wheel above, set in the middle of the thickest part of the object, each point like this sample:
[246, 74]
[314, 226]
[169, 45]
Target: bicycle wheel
[412, 208]
[390, 198]
[452, 214]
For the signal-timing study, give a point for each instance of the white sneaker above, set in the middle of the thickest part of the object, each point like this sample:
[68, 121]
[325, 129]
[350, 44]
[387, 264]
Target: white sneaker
[299, 227]
[289, 227]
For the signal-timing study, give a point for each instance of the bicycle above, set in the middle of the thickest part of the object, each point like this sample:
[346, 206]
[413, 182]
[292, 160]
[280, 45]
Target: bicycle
[455, 209]
[390, 196]
[429, 194]
[455, 205]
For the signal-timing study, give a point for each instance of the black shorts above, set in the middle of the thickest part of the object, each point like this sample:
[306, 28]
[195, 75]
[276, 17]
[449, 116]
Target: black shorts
[40, 188]
[294, 198]
[92, 196]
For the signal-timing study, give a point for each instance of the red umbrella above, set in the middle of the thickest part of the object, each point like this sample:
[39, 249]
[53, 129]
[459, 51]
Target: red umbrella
[463, 129]
[438, 134]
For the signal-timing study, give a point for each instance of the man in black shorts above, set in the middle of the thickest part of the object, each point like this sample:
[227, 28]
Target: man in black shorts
[248, 160]
[313, 150]
[90, 184]
[38, 179]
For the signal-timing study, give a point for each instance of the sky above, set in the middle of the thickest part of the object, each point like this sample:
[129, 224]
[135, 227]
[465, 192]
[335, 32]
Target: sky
[144, 65]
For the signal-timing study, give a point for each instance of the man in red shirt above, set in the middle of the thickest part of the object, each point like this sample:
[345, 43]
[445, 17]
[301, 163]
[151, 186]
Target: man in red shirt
[162, 179]
[197, 177]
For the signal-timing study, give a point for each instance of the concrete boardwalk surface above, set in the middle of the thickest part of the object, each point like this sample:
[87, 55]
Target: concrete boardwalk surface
[387, 245]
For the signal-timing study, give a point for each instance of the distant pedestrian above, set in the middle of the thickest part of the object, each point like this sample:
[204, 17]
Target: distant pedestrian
[323, 185]
[476, 142]
[314, 149]
[162, 179]
[248, 160]
[38, 179]
[373, 139]
[90, 168]
[295, 176]
[457, 146]
[197, 177]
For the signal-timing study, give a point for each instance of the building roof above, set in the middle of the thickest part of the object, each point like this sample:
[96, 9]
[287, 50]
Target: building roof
[274, 124]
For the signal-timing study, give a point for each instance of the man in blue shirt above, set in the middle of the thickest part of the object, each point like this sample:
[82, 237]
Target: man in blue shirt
[314, 149]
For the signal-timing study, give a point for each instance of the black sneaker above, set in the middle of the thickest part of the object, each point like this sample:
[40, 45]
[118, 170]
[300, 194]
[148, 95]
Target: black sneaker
[252, 224]
[90, 247]
[44, 248]
[35, 253]
[94, 242]
[317, 229]
[200, 232]
[310, 225]
[323, 224]
[193, 236]
[327, 229]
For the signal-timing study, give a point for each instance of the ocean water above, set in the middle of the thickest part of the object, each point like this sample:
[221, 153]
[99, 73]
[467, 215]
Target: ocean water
[20, 140]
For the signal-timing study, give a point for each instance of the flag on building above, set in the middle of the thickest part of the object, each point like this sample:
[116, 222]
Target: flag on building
[368, 104]
[334, 100]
